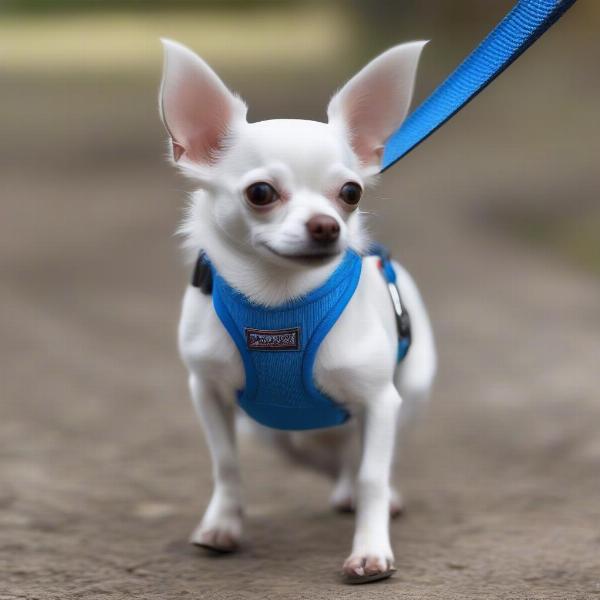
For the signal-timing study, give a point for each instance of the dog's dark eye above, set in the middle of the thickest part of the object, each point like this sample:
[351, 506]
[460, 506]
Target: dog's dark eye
[261, 194]
[351, 193]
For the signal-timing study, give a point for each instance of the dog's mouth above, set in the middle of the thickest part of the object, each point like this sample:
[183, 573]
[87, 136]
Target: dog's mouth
[305, 257]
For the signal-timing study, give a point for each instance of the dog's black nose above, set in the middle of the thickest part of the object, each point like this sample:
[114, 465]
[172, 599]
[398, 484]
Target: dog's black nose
[323, 229]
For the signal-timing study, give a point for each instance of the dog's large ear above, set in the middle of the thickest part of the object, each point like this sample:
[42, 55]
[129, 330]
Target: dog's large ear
[195, 105]
[373, 104]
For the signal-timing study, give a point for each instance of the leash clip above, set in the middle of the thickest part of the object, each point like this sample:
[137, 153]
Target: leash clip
[402, 316]
[403, 326]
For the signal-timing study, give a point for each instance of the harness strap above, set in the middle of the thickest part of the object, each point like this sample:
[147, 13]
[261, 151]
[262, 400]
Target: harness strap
[402, 317]
[520, 28]
[202, 278]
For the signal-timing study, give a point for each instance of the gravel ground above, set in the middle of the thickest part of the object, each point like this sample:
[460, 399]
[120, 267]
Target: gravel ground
[103, 468]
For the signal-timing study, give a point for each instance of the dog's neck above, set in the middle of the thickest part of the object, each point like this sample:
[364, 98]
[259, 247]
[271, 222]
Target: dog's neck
[259, 280]
[265, 283]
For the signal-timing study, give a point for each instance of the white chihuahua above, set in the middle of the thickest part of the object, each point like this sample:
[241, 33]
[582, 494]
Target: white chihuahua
[277, 226]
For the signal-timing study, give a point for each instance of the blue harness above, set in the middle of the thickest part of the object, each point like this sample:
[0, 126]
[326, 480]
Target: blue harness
[278, 345]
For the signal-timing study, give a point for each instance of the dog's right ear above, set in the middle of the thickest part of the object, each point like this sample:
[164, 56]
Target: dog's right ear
[196, 107]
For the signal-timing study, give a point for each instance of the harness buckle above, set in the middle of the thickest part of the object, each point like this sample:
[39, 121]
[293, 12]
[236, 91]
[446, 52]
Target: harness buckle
[403, 325]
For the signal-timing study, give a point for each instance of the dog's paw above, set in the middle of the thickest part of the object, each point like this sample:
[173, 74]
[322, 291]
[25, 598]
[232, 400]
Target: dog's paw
[344, 504]
[342, 497]
[219, 534]
[364, 567]
[217, 539]
[220, 529]
[396, 504]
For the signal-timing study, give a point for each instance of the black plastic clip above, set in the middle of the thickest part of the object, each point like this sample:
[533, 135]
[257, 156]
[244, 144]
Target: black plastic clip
[202, 277]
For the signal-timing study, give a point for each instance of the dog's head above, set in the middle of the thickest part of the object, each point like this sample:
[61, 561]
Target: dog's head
[284, 190]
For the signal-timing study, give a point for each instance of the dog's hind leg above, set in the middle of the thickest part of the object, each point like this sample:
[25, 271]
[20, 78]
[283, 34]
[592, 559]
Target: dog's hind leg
[319, 451]
[343, 496]
[221, 526]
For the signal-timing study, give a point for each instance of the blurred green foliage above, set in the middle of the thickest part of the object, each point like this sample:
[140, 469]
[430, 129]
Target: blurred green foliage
[51, 6]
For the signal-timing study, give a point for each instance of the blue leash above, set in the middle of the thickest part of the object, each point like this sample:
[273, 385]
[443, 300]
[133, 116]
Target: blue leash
[519, 29]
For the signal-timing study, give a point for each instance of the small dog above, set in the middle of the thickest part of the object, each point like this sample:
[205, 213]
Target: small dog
[277, 226]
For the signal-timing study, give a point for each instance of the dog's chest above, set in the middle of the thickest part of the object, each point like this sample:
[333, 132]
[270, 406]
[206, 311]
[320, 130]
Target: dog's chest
[354, 352]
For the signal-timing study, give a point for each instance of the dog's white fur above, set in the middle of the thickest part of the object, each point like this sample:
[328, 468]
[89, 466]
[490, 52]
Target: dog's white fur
[307, 162]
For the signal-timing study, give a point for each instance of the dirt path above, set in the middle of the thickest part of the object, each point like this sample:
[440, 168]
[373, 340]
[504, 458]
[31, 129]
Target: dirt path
[103, 469]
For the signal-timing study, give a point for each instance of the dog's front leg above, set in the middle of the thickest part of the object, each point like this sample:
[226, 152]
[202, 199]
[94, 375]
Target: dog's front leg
[221, 526]
[372, 556]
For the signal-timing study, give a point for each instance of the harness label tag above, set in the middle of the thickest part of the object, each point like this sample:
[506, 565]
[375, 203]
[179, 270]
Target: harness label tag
[273, 339]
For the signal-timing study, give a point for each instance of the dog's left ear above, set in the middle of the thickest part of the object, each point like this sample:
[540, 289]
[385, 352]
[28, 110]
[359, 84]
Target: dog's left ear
[373, 104]
[195, 105]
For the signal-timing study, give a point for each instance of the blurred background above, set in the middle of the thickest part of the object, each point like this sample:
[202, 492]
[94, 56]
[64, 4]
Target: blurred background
[103, 472]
